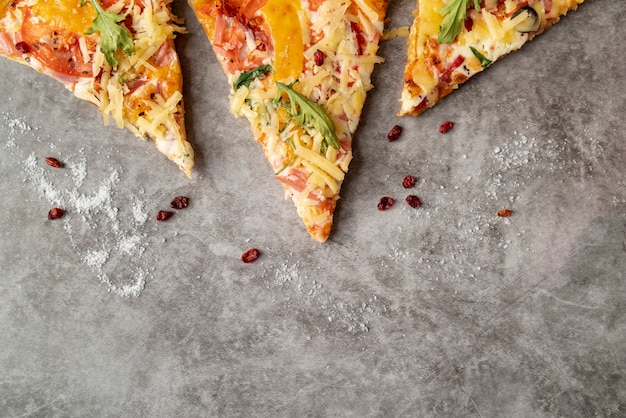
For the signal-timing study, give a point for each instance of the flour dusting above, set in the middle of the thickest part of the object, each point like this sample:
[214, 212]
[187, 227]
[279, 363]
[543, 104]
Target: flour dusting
[107, 235]
[333, 310]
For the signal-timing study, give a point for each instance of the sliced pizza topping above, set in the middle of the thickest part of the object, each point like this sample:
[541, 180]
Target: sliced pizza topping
[112, 35]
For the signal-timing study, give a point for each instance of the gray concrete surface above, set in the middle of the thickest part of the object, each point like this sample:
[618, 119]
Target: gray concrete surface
[445, 311]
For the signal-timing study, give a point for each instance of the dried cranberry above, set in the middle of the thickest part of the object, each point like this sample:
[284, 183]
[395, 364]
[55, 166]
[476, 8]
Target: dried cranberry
[53, 162]
[445, 127]
[180, 202]
[408, 182]
[413, 201]
[55, 213]
[319, 57]
[164, 215]
[468, 23]
[251, 255]
[385, 203]
[504, 213]
[421, 107]
[394, 133]
[22, 47]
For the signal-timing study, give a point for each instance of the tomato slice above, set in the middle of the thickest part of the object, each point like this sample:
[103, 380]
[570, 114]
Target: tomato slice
[56, 49]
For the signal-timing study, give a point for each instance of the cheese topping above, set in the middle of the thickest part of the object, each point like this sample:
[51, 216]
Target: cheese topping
[283, 18]
[66, 14]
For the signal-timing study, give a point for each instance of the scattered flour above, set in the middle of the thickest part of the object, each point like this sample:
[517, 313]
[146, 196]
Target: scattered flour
[106, 238]
[15, 126]
[333, 311]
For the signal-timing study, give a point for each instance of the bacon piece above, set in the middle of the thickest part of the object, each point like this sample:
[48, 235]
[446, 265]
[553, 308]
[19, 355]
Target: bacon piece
[445, 76]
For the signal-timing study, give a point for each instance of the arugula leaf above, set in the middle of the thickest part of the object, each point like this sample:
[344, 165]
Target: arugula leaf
[308, 113]
[247, 77]
[112, 35]
[484, 61]
[455, 12]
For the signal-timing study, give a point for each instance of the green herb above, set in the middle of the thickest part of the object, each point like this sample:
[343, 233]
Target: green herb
[455, 12]
[310, 114]
[112, 35]
[323, 147]
[287, 164]
[246, 77]
[484, 61]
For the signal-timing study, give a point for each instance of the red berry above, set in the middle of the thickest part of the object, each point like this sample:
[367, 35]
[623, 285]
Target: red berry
[394, 133]
[55, 213]
[445, 127]
[251, 255]
[413, 201]
[468, 23]
[180, 202]
[164, 215]
[408, 182]
[319, 57]
[385, 203]
[22, 47]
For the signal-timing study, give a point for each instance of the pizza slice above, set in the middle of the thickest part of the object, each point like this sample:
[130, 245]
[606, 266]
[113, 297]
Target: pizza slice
[299, 72]
[118, 55]
[452, 40]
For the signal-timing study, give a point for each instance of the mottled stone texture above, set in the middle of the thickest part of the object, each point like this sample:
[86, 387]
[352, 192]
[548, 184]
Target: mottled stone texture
[446, 310]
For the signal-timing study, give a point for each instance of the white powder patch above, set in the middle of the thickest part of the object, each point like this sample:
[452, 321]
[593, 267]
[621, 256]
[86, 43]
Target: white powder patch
[35, 173]
[398, 254]
[296, 290]
[95, 259]
[520, 152]
[106, 239]
[78, 171]
[131, 245]
[138, 213]
[286, 274]
[16, 127]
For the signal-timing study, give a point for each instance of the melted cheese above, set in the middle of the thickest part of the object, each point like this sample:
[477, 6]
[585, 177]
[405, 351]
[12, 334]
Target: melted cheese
[283, 18]
[429, 18]
[65, 14]
[3, 6]
[400, 32]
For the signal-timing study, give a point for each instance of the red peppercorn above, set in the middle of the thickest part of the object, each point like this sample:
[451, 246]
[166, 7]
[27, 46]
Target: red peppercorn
[408, 182]
[385, 203]
[445, 127]
[251, 255]
[55, 213]
[164, 215]
[394, 133]
[180, 202]
[413, 201]
[22, 47]
[319, 57]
